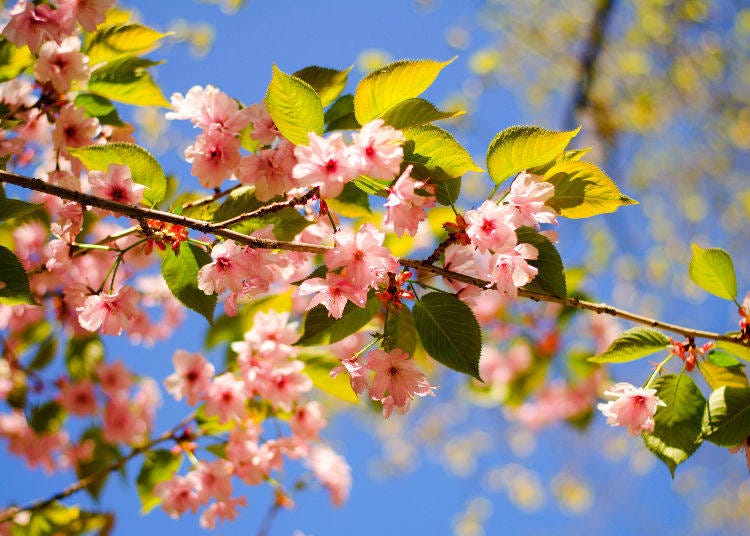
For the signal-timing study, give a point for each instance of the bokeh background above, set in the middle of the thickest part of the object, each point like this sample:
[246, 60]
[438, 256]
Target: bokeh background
[662, 90]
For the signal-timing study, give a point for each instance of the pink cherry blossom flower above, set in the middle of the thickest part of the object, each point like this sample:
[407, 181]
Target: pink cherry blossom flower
[215, 480]
[270, 171]
[178, 496]
[396, 375]
[490, 227]
[406, 207]
[307, 421]
[358, 377]
[264, 129]
[32, 24]
[332, 471]
[325, 162]
[499, 369]
[228, 269]
[511, 271]
[124, 422]
[285, 384]
[221, 510]
[115, 184]
[220, 111]
[115, 379]
[73, 128]
[271, 335]
[78, 398]
[111, 312]
[253, 463]
[61, 64]
[214, 155]
[89, 13]
[333, 292]
[192, 376]
[527, 196]
[634, 407]
[363, 255]
[378, 147]
[225, 398]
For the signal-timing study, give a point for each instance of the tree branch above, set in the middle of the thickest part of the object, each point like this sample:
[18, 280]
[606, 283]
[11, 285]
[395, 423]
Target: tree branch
[269, 209]
[262, 243]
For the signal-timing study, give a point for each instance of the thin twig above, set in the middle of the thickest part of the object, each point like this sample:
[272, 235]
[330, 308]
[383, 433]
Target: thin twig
[39, 504]
[262, 243]
[268, 209]
[210, 198]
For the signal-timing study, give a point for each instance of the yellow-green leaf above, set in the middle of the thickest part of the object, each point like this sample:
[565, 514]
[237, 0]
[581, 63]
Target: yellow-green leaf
[524, 147]
[382, 89]
[14, 283]
[713, 271]
[113, 42]
[327, 82]
[415, 112]
[294, 106]
[13, 60]
[717, 376]
[318, 368]
[583, 190]
[128, 80]
[435, 153]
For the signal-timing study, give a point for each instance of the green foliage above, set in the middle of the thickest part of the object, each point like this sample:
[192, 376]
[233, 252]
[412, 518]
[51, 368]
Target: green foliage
[436, 154]
[82, 354]
[400, 331]
[736, 349]
[449, 332]
[396, 82]
[144, 168]
[551, 276]
[712, 270]
[633, 344]
[100, 107]
[60, 520]
[328, 83]
[180, 272]
[583, 190]
[44, 353]
[717, 376]
[294, 106]
[127, 80]
[15, 208]
[47, 418]
[13, 60]
[340, 115]
[113, 42]
[14, 283]
[523, 147]
[722, 358]
[372, 186]
[416, 112]
[158, 466]
[447, 192]
[726, 421]
[104, 454]
[677, 427]
[351, 203]
[321, 329]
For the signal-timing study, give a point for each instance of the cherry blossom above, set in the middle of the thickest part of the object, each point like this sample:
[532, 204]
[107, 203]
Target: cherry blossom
[223, 510]
[192, 375]
[363, 256]
[332, 471]
[78, 398]
[378, 147]
[406, 203]
[110, 311]
[634, 407]
[115, 184]
[325, 162]
[270, 171]
[397, 375]
[333, 292]
[31, 24]
[214, 155]
[227, 270]
[264, 129]
[61, 64]
[527, 196]
[225, 398]
[178, 496]
[88, 13]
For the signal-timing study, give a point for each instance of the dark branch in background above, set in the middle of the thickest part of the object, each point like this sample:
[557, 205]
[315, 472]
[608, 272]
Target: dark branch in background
[592, 49]
[419, 265]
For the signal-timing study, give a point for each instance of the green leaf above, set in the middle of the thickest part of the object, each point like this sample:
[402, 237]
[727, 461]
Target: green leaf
[47, 418]
[82, 355]
[15, 208]
[128, 80]
[14, 283]
[327, 83]
[294, 107]
[113, 42]
[400, 331]
[435, 153]
[677, 426]
[447, 192]
[44, 353]
[449, 332]
[180, 272]
[318, 368]
[551, 276]
[100, 107]
[415, 112]
[396, 82]
[713, 271]
[352, 203]
[158, 466]
[721, 358]
[736, 349]
[726, 421]
[340, 115]
[633, 344]
[518, 148]
[144, 168]
[103, 455]
[717, 376]
[13, 60]
[372, 186]
[321, 329]
[583, 190]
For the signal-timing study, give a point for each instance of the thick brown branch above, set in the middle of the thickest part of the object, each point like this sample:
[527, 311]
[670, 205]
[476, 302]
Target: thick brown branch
[261, 243]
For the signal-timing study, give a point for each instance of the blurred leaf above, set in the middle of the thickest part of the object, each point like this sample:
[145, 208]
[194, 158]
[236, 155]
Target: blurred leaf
[15, 208]
[112, 42]
[82, 354]
[128, 80]
[47, 418]
[14, 283]
[158, 466]
[13, 60]
[352, 203]
[318, 367]
[44, 353]
[104, 454]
